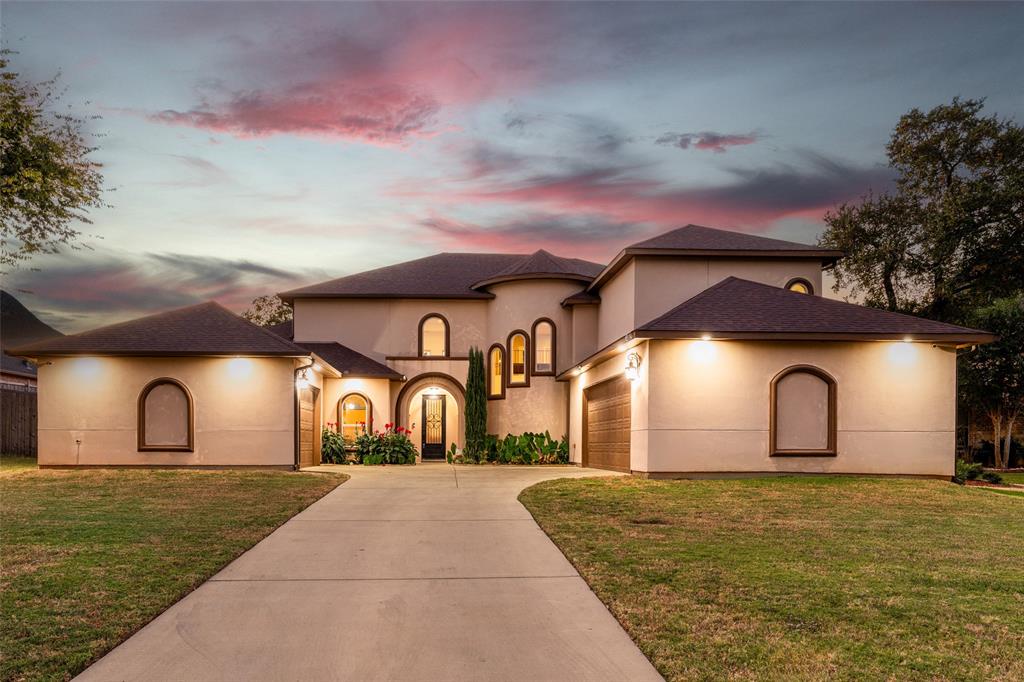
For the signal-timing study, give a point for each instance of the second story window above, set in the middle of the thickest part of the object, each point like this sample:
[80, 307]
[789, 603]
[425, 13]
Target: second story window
[543, 347]
[433, 336]
[800, 286]
[518, 374]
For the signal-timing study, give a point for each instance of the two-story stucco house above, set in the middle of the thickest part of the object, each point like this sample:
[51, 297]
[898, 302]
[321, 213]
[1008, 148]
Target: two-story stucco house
[699, 351]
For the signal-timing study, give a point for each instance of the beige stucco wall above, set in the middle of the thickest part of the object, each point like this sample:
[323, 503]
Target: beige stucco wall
[377, 391]
[708, 406]
[651, 286]
[244, 410]
[584, 332]
[382, 327]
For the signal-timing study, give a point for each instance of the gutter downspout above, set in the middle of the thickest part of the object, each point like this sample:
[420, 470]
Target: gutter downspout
[295, 408]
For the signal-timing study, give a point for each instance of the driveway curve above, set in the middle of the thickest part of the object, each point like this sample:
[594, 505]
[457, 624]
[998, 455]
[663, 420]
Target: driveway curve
[430, 572]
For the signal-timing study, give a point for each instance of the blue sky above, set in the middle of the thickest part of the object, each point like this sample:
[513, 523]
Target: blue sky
[251, 148]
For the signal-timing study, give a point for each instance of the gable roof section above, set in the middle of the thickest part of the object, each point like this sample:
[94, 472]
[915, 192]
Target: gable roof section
[697, 241]
[444, 275]
[350, 362]
[206, 329]
[739, 308]
[18, 327]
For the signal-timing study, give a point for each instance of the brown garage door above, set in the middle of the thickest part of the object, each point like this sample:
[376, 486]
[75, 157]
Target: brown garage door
[309, 439]
[606, 425]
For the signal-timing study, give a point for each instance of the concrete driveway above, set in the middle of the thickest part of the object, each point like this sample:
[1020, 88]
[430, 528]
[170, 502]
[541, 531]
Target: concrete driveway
[430, 572]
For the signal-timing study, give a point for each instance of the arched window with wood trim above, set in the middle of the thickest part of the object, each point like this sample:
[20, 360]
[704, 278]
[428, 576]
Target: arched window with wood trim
[496, 372]
[355, 413]
[803, 413]
[800, 286]
[166, 417]
[434, 336]
[518, 372]
[544, 347]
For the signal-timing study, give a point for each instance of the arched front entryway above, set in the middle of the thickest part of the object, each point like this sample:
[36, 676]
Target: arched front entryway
[432, 406]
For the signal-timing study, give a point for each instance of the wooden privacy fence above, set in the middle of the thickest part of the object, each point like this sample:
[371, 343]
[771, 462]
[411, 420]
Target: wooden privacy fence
[18, 417]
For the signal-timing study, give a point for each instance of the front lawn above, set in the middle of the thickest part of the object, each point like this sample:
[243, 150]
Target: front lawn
[801, 578]
[89, 557]
[1012, 477]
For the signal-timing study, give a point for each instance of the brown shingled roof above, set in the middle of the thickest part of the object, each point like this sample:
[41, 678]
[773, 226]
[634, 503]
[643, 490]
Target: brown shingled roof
[203, 329]
[445, 275]
[697, 241]
[350, 362]
[541, 264]
[739, 308]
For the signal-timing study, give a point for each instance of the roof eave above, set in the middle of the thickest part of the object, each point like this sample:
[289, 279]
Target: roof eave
[622, 343]
[32, 355]
[533, 275]
[290, 297]
[827, 257]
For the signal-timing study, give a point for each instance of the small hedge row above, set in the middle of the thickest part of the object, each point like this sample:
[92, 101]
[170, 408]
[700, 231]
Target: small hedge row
[526, 448]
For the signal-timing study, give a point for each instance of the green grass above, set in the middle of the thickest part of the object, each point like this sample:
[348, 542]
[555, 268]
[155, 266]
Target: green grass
[12, 464]
[801, 578]
[1013, 477]
[89, 557]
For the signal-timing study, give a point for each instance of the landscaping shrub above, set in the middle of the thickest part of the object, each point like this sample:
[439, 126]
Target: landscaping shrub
[390, 446]
[992, 477]
[966, 471]
[332, 446]
[476, 407]
[526, 448]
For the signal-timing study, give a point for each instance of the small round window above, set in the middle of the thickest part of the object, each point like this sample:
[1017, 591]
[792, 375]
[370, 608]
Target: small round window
[800, 286]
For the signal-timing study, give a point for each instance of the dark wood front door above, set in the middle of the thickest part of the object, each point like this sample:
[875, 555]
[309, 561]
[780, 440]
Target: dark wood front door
[433, 445]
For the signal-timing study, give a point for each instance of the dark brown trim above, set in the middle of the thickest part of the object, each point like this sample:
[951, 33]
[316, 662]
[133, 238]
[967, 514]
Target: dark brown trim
[141, 428]
[427, 357]
[826, 256]
[830, 449]
[490, 374]
[800, 280]
[554, 347]
[527, 359]
[289, 297]
[369, 410]
[447, 336]
[400, 418]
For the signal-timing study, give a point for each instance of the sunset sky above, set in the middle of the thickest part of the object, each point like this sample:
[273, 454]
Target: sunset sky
[252, 148]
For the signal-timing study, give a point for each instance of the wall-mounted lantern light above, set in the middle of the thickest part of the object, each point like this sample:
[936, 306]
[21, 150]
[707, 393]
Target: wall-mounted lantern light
[632, 370]
[302, 381]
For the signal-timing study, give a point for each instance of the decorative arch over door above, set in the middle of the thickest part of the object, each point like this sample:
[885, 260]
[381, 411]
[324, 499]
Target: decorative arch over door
[425, 380]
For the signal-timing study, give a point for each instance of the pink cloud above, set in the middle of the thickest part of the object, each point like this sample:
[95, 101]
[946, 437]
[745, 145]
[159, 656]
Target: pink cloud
[708, 140]
[381, 91]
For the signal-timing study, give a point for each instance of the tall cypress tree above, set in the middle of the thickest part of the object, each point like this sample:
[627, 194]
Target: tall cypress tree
[476, 406]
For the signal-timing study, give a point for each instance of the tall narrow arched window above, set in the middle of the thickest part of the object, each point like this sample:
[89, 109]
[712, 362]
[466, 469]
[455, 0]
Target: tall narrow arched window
[803, 413]
[543, 347]
[496, 372]
[434, 336]
[518, 359]
[355, 412]
[166, 420]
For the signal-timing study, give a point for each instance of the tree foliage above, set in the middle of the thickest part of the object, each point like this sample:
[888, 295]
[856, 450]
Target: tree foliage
[950, 236]
[268, 310]
[992, 375]
[476, 407]
[47, 180]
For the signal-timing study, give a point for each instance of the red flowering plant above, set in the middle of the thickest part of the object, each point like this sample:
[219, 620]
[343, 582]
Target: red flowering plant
[390, 446]
[332, 445]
